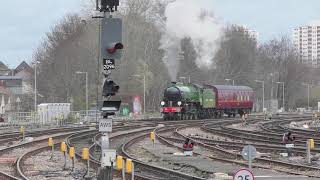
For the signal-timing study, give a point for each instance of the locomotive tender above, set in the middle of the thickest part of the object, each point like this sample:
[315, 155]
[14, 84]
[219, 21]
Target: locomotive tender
[193, 101]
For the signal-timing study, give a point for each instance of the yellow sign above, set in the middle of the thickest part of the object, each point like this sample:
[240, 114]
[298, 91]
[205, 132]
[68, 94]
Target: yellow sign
[129, 166]
[21, 129]
[119, 162]
[71, 152]
[152, 137]
[63, 147]
[50, 142]
[85, 153]
[311, 143]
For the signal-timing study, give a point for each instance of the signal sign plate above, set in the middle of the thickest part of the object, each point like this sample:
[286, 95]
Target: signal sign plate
[249, 152]
[105, 125]
[243, 174]
[108, 64]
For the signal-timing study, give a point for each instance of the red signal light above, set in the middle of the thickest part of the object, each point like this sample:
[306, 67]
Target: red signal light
[113, 47]
[185, 145]
[190, 145]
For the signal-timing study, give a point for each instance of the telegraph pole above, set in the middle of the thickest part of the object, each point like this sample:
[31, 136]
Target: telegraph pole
[110, 47]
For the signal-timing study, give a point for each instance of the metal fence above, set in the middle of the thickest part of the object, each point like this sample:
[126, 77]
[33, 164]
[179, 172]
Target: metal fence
[74, 117]
[33, 119]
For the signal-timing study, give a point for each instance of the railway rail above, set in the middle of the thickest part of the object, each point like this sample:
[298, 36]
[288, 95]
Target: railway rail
[232, 157]
[25, 149]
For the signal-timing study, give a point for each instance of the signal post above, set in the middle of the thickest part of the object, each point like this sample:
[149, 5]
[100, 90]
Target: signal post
[110, 52]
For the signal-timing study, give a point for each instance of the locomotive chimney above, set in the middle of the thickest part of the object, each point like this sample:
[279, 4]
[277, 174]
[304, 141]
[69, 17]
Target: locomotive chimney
[173, 82]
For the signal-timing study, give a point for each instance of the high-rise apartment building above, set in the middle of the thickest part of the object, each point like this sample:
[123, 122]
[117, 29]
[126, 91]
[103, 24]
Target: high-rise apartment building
[306, 40]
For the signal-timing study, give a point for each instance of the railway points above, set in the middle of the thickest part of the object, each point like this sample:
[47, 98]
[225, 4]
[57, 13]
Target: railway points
[214, 138]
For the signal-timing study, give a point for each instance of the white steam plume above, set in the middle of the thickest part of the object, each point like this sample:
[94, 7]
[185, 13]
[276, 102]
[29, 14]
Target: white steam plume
[189, 18]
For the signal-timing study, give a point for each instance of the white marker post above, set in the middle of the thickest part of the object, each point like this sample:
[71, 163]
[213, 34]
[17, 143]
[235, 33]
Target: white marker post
[108, 157]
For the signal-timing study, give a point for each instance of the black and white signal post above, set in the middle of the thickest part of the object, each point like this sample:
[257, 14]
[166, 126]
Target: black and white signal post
[110, 53]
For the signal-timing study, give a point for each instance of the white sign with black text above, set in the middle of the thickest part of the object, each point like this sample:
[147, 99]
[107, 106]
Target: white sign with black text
[243, 174]
[108, 64]
[105, 125]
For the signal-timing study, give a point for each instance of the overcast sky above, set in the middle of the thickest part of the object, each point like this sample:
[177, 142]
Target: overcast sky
[23, 23]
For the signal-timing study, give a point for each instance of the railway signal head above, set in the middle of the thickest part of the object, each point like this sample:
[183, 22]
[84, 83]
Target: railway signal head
[113, 47]
[110, 88]
[111, 38]
[108, 5]
[188, 145]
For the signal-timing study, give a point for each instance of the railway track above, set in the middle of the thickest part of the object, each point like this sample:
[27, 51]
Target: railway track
[10, 138]
[117, 133]
[142, 170]
[226, 150]
[16, 153]
[216, 149]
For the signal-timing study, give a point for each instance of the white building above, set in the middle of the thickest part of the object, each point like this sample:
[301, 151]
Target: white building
[306, 40]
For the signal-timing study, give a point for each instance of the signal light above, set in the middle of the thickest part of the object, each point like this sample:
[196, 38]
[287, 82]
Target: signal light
[110, 88]
[191, 145]
[114, 47]
[185, 145]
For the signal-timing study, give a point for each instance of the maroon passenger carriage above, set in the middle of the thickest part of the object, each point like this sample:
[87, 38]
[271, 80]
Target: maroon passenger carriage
[231, 100]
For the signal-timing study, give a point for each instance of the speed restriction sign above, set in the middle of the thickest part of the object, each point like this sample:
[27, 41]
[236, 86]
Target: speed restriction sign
[243, 174]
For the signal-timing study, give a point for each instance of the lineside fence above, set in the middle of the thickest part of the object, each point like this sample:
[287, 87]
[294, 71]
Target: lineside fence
[40, 120]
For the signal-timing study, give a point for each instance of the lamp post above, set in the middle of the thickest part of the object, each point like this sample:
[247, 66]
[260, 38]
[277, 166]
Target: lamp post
[35, 86]
[144, 91]
[282, 94]
[262, 92]
[87, 97]
[308, 89]
[230, 80]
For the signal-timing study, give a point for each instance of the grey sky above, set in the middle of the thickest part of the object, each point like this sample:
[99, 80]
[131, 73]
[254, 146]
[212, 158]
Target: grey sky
[23, 24]
[270, 18]
[21, 32]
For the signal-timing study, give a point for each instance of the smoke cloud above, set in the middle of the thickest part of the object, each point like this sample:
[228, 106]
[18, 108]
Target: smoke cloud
[189, 18]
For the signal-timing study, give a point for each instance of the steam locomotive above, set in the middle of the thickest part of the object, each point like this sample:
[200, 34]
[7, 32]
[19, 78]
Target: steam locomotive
[193, 101]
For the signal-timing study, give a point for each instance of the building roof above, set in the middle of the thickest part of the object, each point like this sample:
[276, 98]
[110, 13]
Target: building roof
[23, 66]
[10, 78]
[3, 68]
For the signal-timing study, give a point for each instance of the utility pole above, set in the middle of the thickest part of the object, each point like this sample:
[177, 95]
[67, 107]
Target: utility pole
[271, 86]
[262, 93]
[308, 96]
[282, 94]
[308, 93]
[35, 86]
[87, 96]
